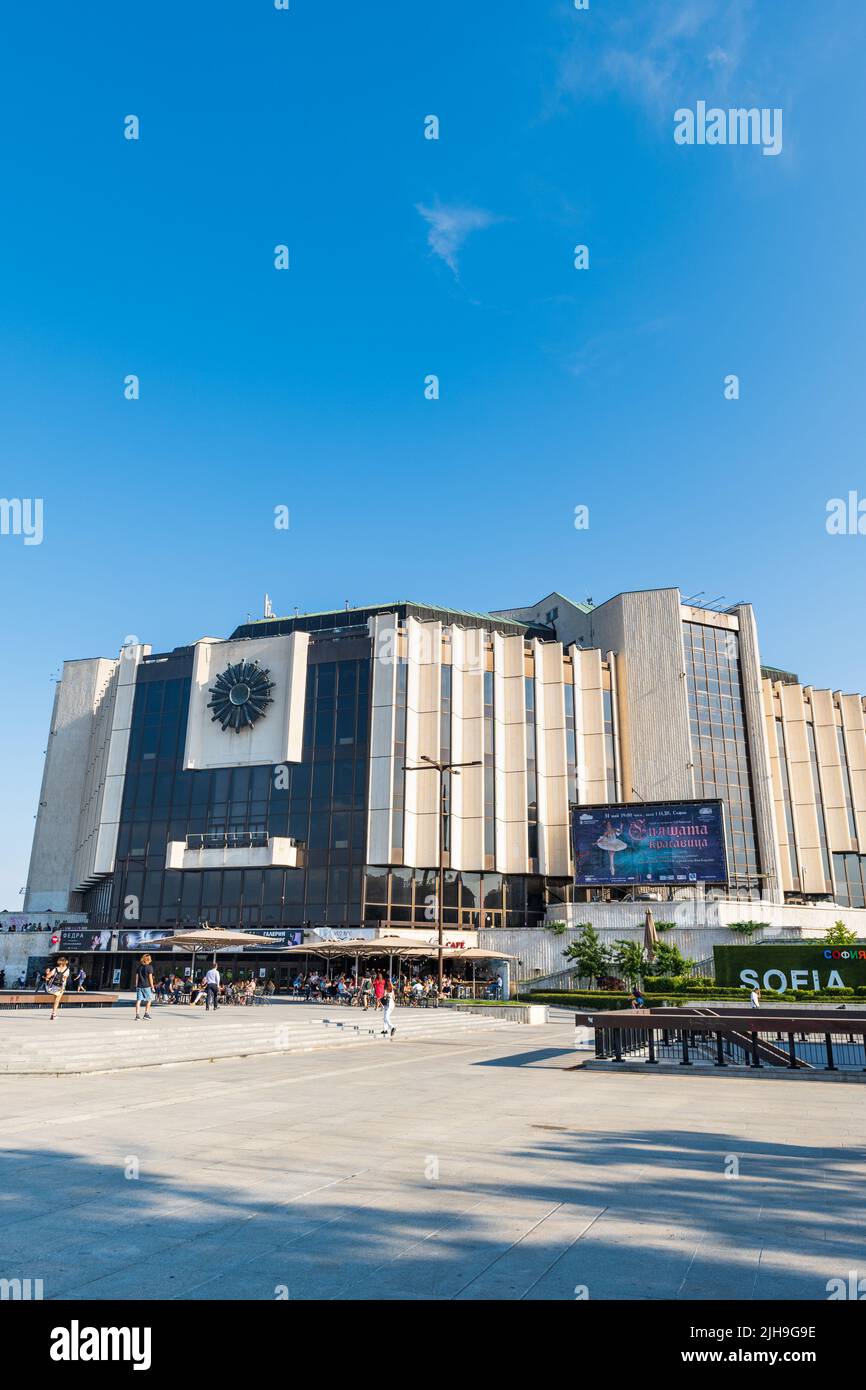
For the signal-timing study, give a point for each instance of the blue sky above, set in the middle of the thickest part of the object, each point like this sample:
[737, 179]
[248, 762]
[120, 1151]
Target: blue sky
[305, 388]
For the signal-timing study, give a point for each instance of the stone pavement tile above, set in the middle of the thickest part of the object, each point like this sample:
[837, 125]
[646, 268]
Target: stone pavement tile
[453, 1257]
[546, 1253]
[445, 1225]
[224, 1149]
[607, 1271]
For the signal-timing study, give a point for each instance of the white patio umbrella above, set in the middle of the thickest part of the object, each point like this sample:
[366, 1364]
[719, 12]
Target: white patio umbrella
[212, 939]
[650, 935]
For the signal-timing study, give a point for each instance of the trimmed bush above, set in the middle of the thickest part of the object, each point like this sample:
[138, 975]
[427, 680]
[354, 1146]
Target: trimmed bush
[597, 1001]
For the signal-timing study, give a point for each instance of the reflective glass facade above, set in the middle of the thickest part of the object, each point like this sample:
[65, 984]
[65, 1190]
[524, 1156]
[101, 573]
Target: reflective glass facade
[320, 803]
[719, 747]
[850, 870]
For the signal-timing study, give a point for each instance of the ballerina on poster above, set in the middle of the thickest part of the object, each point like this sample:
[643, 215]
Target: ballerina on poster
[612, 844]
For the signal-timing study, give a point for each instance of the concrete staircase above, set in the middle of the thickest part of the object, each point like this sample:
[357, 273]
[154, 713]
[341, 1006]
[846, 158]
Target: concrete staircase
[114, 1041]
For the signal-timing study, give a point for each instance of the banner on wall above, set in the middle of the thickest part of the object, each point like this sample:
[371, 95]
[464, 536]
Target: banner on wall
[277, 937]
[652, 842]
[80, 939]
[140, 940]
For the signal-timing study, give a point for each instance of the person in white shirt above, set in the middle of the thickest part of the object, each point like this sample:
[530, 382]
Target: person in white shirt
[755, 998]
[388, 1029]
[212, 988]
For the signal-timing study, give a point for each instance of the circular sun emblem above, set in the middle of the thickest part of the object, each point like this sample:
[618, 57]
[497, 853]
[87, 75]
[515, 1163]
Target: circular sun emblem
[240, 696]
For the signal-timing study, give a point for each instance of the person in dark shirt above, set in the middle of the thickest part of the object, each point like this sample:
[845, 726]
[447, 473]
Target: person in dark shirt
[56, 979]
[143, 986]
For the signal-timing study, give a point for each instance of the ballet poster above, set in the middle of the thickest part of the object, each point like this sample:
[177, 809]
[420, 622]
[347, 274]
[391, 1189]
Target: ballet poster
[668, 842]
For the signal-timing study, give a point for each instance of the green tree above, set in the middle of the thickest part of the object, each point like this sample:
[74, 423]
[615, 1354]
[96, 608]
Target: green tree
[840, 935]
[630, 960]
[591, 958]
[669, 960]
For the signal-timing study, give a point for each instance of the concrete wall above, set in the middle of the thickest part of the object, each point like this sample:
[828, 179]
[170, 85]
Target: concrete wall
[540, 952]
[102, 796]
[20, 948]
[646, 628]
[426, 649]
[766, 831]
[276, 737]
[55, 839]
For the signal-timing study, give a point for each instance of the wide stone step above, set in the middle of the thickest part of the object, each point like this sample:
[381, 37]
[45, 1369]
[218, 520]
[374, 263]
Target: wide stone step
[117, 1048]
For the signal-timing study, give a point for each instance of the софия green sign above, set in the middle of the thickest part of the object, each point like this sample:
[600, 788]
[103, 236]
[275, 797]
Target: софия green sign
[813, 966]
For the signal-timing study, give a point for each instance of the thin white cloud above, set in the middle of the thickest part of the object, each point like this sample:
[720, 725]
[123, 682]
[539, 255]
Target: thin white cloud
[657, 52]
[448, 226]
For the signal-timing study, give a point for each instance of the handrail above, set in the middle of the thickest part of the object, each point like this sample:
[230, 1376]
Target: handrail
[752, 1022]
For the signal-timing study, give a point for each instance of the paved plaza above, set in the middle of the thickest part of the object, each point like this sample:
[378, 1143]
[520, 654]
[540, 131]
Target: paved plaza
[450, 1166]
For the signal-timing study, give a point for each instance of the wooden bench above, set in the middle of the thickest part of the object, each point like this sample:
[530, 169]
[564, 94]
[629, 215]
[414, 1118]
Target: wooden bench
[29, 999]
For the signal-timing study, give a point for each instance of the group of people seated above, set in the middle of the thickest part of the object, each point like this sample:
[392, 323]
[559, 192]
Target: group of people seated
[178, 989]
[364, 991]
[367, 989]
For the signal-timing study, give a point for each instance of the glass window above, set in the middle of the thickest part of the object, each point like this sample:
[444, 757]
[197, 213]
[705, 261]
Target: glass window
[294, 886]
[324, 726]
[327, 682]
[316, 885]
[231, 896]
[377, 885]
[401, 886]
[252, 887]
[470, 889]
[340, 830]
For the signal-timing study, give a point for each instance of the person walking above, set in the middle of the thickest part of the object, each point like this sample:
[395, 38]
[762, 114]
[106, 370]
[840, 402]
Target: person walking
[212, 989]
[366, 990]
[388, 997]
[80, 980]
[56, 978]
[143, 987]
[755, 997]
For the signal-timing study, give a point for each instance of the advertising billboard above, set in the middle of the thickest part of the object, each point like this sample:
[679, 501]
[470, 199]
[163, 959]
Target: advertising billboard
[649, 842]
[140, 940]
[84, 939]
[277, 936]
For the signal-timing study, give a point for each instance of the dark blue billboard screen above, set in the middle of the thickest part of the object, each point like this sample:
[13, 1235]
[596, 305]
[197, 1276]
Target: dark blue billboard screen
[649, 842]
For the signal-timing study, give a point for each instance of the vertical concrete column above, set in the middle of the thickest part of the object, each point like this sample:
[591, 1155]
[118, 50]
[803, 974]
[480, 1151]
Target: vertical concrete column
[803, 805]
[551, 759]
[855, 740]
[831, 771]
[380, 789]
[423, 704]
[788, 852]
[589, 718]
[759, 755]
[512, 850]
[467, 734]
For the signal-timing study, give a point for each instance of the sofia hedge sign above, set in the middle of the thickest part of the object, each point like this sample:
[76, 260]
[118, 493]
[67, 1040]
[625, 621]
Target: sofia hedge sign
[791, 967]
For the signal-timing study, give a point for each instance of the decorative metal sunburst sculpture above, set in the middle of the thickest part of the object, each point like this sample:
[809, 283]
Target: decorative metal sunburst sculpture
[240, 696]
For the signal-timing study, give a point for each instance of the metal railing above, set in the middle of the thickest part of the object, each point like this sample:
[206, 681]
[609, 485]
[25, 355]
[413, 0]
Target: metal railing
[228, 839]
[813, 1041]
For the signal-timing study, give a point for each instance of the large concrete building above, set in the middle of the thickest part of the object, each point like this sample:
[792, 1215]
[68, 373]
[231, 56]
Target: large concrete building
[262, 781]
